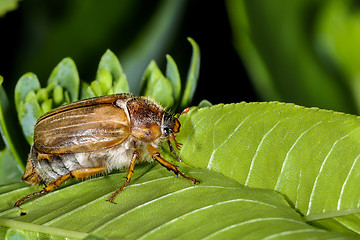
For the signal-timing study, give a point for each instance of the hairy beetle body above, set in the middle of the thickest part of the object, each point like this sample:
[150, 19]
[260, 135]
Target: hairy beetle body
[96, 135]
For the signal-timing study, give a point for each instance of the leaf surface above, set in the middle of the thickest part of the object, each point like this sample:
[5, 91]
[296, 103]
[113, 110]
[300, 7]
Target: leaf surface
[156, 205]
[311, 156]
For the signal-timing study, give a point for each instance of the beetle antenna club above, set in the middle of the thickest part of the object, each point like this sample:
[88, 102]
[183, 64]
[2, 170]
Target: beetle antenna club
[97, 135]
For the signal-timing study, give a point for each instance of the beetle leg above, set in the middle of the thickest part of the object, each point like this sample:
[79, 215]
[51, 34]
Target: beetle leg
[156, 156]
[128, 177]
[86, 172]
[79, 173]
[41, 156]
[186, 110]
[173, 151]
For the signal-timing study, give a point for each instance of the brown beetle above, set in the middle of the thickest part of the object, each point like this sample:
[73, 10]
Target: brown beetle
[98, 135]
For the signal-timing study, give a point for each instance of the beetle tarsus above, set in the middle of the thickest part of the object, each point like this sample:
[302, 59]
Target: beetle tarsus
[156, 156]
[128, 177]
[110, 201]
[18, 202]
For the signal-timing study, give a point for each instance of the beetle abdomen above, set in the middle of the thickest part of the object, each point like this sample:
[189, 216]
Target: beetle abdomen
[46, 170]
[43, 170]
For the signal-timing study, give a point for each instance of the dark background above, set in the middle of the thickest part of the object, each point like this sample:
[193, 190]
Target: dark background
[223, 78]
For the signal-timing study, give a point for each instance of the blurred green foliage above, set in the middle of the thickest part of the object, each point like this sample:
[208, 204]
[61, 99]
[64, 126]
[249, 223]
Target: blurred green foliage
[7, 5]
[301, 51]
[136, 31]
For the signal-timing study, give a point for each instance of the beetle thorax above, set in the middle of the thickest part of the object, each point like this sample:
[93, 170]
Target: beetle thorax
[145, 119]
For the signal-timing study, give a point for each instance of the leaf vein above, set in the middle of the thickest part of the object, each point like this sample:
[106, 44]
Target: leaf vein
[252, 221]
[210, 164]
[289, 153]
[346, 181]
[257, 151]
[321, 170]
[202, 209]
[152, 201]
[293, 232]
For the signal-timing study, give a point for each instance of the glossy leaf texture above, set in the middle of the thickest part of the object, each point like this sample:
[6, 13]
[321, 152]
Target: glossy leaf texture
[310, 156]
[156, 205]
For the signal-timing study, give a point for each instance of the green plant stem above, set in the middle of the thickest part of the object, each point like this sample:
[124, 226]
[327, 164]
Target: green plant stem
[41, 229]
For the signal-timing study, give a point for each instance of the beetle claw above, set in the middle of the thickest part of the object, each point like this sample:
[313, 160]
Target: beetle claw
[110, 201]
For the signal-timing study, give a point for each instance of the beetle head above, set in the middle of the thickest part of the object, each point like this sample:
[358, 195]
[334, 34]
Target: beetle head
[170, 125]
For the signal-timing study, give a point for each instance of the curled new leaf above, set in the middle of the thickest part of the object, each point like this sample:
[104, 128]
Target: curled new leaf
[65, 74]
[193, 75]
[32, 101]
[110, 78]
[172, 73]
[156, 86]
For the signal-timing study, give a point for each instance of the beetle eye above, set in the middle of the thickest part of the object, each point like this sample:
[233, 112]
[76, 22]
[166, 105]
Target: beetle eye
[170, 125]
[167, 131]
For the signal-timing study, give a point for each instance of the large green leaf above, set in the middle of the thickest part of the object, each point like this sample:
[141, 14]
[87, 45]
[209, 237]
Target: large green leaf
[308, 155]
[156, 205]
[311, 156]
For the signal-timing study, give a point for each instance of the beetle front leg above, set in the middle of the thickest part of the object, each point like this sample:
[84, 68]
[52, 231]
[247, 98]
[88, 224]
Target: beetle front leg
[128, 177]
[156, 156]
